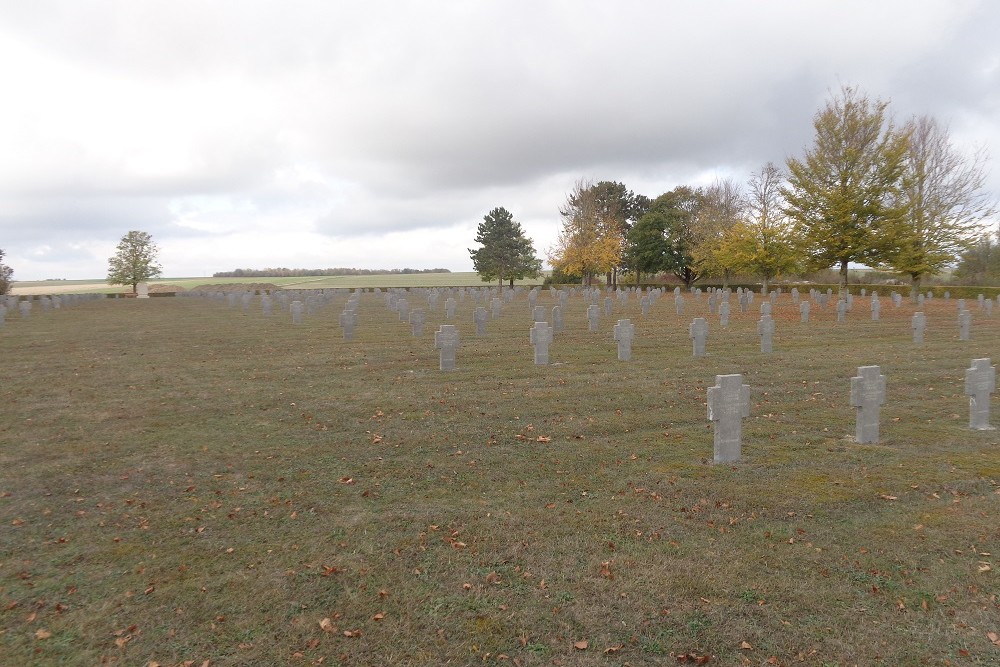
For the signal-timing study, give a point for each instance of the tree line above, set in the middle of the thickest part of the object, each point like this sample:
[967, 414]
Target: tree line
[899, 198]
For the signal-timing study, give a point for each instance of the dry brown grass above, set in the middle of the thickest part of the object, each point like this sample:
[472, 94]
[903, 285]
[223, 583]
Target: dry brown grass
[186, 482]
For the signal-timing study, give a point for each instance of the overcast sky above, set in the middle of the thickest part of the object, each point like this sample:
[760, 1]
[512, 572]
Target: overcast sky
[377, 134]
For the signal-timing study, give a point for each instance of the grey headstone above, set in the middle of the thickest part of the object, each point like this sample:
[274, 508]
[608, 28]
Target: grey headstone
[266, 305]
[876, 310]
[538, 314]
[480, 317]
[728, 403]
[296, 308]
[495, 309]
[919, 325]
[804, 311]
[698, 332]
[557, 319]
[724, 314]
[348, 320]
[541, 338]
[980, 382]
[446, 340]
[593, 317]
[841, 310]
[624, 333]
[142, 290]
[867, 395]
[964, 324]
[765, 329]
[449, 308]
[679, 304]
[644, 305]
[608, 305]
[417, 320]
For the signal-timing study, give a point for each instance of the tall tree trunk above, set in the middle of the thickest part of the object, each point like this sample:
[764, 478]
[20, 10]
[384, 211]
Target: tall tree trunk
[764, 290]
[915, 281]
[843, 276]
[725, 278]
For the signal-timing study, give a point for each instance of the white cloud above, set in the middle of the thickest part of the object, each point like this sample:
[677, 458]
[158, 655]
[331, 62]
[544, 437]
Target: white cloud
[377, 134]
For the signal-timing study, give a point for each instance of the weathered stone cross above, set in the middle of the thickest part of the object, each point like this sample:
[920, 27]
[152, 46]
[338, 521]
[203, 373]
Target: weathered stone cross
[624, 332]
[728, 403]
[867, 395]
[446, 340]
[980, 382]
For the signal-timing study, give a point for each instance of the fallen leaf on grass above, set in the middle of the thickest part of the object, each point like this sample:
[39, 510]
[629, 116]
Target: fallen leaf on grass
[352, 633]
[984, 567]
[606, 569]
[613, 649]
[746, 646]
[887, 497]
[42, 634]
[327, 625]
[543, 438]
[493, 578]
[379, 616]
[347, 480]
[581, 645]
[993, 637]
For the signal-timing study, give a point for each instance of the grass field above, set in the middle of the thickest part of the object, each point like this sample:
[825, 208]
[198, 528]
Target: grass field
[184, 482]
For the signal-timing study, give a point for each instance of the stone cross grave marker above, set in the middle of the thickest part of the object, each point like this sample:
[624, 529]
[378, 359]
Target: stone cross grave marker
[876, 308]
[538, 314]
[624, 333]
[804, 311]
[980, 382]
[266, 305]
[679, 304]
[495, 309]
[446, 340]
[867, 395]
[841, 310]
[919, 325]
[608, 305]
[765, 329]
[403, 307]
[24, 308]
[417, 320]
[728, 404]
[557, 319]
[449, 308]
[644, 305]
[541, 338]
[3, 314]
[348, 320]
[296, 307]
[593, 317]
[964, 324]
[698, 331]
[744, 302]
[480, 316]
[724, 314]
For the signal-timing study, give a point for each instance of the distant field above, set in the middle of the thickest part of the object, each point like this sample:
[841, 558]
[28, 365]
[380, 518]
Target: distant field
[456, 279]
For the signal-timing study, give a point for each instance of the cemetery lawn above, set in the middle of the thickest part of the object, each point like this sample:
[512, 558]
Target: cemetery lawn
[183, 483]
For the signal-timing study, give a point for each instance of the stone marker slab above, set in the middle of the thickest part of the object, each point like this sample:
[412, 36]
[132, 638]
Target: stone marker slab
[867, 395]
[728, 403]
[446, 340]
[980, 382]
[541, 338]
[624, 333]
[698, 332]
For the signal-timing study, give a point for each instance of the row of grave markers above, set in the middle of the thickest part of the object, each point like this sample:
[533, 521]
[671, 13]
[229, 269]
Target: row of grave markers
[729, 402]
